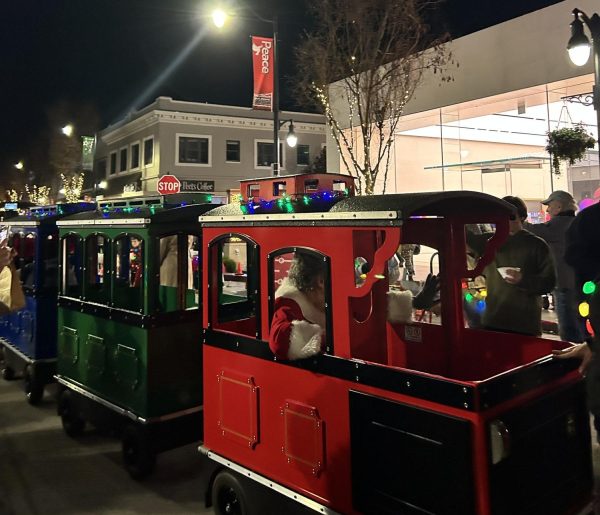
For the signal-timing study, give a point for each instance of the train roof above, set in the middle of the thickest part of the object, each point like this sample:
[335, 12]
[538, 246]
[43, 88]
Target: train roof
[38, 215]
[393, 207]
[137, 212]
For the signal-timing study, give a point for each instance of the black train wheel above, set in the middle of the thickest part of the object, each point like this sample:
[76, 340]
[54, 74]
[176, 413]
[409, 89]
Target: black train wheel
[33, 389]
[72, 423]
[138, 455]
[228, 495]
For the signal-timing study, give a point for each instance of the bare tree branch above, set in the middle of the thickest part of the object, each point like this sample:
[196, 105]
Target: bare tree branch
[370, 57]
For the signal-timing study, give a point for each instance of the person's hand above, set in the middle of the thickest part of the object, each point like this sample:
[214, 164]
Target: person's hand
[424, 299]
[580, 351]
[513, 276]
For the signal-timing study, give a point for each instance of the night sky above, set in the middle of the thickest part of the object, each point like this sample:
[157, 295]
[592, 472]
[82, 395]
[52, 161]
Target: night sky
[92, 61]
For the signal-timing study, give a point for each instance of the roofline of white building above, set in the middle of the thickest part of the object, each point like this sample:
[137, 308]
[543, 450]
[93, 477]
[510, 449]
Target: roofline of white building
[146, 115]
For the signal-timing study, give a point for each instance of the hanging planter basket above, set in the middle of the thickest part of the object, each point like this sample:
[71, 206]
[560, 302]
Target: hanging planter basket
[569, 143]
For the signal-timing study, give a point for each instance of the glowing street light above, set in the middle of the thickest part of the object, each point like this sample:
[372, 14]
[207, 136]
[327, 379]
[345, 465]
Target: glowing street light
[579, 50]
[67, 130]
[20, 165]
[291, 137]
[220, 18]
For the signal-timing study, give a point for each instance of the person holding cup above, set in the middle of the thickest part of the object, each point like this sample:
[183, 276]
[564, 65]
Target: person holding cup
[521, 272]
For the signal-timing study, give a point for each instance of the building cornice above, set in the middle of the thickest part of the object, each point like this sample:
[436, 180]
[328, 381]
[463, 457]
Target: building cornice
[202, 120]
[143, 122]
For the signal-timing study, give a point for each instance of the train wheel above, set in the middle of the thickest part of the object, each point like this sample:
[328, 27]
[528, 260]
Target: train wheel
[138, 455]
[33, 389]
[228, 495]
[8, 373]
[72, 423]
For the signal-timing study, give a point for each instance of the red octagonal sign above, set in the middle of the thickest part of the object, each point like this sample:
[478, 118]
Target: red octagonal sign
[168, 184]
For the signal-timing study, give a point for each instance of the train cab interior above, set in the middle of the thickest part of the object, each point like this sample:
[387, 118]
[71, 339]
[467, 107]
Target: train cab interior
[368, 266]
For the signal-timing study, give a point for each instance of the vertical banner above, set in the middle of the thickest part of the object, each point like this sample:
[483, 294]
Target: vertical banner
[262, 60]
[87, 152]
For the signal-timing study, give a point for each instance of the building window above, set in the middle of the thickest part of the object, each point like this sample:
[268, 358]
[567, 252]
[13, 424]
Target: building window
[113, 163]
[135, 156]
[148, 151]
[193, 150]
[123, 160]
[303, 157]
[233, 151]
[101, 168]
[264, 154]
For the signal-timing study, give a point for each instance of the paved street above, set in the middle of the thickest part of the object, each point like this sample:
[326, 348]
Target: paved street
[44, 472]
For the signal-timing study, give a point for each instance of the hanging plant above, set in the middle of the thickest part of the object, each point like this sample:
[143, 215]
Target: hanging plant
[568, 143]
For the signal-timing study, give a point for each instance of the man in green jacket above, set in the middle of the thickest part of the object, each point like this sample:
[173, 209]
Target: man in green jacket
[521, 272]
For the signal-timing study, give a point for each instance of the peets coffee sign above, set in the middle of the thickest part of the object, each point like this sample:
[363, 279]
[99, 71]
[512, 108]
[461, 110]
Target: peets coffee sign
[197, 186]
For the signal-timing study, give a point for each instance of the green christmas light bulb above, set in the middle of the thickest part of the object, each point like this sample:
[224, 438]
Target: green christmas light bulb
[589, 287]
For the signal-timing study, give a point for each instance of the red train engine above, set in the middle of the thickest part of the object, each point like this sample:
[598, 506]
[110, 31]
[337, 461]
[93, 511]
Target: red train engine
[427, 416]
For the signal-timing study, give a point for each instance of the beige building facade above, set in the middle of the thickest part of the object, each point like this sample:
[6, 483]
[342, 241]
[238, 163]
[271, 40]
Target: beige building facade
[486, 130]
[208, 147]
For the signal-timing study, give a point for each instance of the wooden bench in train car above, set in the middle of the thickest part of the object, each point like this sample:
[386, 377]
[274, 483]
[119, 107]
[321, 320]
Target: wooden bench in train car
[391, 417]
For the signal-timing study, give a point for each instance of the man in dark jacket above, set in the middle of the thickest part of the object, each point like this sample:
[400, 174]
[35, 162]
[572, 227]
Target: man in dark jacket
[522, 270]
[561, 208]
[583, 253]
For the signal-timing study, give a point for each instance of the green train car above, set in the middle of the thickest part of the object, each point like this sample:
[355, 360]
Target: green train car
[129, 326]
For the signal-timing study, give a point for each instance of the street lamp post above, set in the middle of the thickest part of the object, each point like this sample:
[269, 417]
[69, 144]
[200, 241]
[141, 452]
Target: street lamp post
[219, 18]
[579, 52]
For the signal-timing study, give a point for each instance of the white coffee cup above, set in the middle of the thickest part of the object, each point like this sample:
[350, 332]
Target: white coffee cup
[502, 270]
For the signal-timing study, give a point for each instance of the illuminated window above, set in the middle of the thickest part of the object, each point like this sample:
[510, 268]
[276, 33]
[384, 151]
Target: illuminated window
[303, 155]
[95, 287]
[128, 272]
[71, 266]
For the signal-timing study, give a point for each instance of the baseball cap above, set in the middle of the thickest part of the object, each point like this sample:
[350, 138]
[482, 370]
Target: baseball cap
[561, 196]
[518, 204]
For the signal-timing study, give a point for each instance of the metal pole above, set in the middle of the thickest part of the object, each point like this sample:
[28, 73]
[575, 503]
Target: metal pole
[275, 163]
[593, 24]
[549, 129]
[596, 48]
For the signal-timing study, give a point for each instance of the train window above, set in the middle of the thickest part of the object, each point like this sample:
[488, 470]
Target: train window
[339, 185]
[253, 190]
[71, 266]
[49, 262]
[192, 275]
[128, 268]
[474, 290]
[96, 288]
[26, 259]
[411, 269]
[417, 263]
[178, 272]
[279, 188]
[234, 267]
[311, 185]
[302, 276]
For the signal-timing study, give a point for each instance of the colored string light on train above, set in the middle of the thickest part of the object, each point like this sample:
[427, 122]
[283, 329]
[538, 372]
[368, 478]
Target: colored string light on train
[319, 201]
[588, 288]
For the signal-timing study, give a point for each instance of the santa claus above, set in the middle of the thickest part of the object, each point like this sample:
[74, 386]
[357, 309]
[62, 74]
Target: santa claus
[298, 325]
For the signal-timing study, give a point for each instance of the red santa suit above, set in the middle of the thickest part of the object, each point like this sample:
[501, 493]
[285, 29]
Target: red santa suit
[298, 327]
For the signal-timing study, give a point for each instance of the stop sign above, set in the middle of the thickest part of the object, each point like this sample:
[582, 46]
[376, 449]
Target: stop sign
[168, 184]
